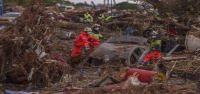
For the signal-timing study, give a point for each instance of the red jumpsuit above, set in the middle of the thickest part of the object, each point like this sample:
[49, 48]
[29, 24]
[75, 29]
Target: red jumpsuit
[156, 43]
[154, 54]
[83, 39]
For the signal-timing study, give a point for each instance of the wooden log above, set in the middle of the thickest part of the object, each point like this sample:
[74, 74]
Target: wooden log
[62, 18]
[72, 26]
[81, 14]
[116, 23]
[4, 19]
[4, 23]
[173, 58]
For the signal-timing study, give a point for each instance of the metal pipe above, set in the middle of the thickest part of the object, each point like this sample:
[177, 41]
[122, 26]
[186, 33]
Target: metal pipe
[111, 7]
[108, 4]
[170, 52]
[86, 3]
[104, 2]
[114, 2]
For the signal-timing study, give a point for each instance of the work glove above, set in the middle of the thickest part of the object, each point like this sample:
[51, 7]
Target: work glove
[86, 48]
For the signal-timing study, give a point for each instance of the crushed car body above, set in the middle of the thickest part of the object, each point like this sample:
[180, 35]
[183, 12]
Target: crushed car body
[127, 49]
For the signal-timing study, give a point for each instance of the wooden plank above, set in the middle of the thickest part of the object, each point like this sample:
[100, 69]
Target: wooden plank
[173, 58]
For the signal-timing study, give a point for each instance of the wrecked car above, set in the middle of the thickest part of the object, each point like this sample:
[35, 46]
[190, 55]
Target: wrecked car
[122, 49]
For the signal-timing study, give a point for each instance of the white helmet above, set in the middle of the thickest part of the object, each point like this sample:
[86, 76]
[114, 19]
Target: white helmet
[96, 25]
[87, 29]
[154, 33]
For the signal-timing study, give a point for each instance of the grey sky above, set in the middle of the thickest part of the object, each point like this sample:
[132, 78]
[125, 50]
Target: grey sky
[95, 1]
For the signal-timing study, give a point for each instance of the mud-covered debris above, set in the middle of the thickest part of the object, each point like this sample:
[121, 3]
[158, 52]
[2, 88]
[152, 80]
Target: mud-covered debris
[24, 46]
[143, 89]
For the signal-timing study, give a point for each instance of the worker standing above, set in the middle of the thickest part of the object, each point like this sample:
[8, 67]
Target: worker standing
[92, 13]
[129, 30]
[84, 40]
[101, 17]
[95, 31]
[156, 48]
[108, 17]
[88, 17]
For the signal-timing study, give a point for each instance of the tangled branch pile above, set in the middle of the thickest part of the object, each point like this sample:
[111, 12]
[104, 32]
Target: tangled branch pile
[177, 7]
[185, 12]
[184, 68]
[188, 66]
[23, 44]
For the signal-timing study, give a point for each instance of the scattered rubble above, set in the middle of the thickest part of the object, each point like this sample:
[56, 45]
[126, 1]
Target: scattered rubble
[143, 89]
[36, 49]
[25, 56]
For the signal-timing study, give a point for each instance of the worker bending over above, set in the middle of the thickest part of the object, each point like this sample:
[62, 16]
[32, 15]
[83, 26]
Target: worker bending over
[88, 18]
[101, 17]
[84, 39]
[95, 31]
[156, 48]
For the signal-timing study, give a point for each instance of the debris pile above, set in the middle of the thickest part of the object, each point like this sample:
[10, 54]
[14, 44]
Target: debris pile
[183, 68]
[35, 48]
[15, 8]
[25, 56]
[144, 89]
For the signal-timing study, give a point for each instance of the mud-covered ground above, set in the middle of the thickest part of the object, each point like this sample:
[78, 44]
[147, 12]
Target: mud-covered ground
[84, 76]
[173, 86]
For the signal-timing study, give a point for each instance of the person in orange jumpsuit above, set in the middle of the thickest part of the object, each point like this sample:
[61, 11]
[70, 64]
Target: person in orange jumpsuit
[84, 39]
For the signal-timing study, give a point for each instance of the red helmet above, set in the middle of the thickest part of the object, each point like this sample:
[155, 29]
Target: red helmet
[92, 12]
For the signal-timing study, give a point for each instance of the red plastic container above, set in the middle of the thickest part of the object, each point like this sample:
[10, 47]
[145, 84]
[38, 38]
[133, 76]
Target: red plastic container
[144, 75]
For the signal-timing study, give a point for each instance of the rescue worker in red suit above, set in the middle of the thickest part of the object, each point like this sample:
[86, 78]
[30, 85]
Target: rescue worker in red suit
[84, 39]
[156, 48]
